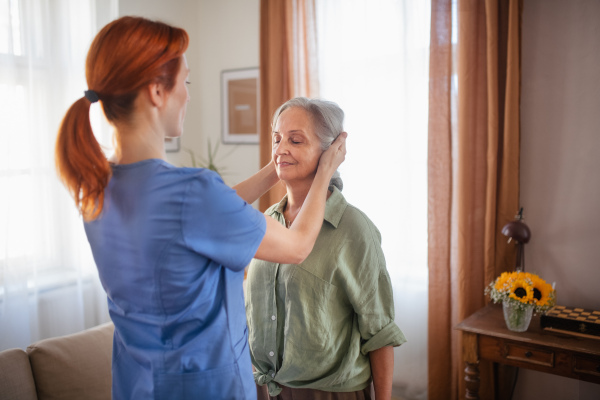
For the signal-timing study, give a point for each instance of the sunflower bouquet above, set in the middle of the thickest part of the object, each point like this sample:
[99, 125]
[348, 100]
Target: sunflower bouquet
[521, 290]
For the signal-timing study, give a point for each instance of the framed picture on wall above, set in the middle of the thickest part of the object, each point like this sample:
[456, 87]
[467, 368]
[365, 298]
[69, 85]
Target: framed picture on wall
[240, 102]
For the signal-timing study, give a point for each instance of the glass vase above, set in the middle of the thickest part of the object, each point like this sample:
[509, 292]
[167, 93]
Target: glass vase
[517, 317]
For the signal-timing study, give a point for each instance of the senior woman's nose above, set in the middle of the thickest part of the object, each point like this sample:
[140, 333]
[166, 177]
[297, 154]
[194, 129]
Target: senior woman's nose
[282, 148]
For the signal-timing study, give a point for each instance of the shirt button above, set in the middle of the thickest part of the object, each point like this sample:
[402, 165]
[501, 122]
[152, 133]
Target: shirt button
[271, 353]
[273, 375]
[273, 318]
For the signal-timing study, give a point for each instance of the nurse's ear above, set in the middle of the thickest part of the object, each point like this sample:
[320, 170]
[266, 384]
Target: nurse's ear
[157, 94]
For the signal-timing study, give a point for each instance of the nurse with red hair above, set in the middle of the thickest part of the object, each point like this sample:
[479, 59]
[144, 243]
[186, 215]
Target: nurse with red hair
[170, 244]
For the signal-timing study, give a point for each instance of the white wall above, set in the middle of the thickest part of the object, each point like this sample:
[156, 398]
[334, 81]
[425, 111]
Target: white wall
[560, 164]
[223, 35]
[228, 39]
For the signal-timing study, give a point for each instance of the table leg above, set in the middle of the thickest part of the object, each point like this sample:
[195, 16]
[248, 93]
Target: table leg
[472, 381]
[471, 359]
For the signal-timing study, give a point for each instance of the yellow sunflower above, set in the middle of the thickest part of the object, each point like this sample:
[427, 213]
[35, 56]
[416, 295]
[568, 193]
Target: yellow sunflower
[524, 275]
[542, 292]
[522, 291]
[503, 282]
[522, 287]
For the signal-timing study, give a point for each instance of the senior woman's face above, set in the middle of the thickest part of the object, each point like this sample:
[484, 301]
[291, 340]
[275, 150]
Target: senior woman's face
[296, 147]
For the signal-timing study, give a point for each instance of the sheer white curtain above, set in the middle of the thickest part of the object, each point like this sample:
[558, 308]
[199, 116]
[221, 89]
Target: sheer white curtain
[48, 281]
[374, 62]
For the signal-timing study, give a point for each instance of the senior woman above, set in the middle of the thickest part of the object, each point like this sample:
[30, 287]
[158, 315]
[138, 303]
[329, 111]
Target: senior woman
[324, 328]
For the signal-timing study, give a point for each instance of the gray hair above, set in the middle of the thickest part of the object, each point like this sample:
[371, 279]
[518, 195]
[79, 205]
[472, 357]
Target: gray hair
[328, 118]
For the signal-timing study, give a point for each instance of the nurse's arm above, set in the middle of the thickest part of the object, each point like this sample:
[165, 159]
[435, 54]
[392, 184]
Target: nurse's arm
[252, 188]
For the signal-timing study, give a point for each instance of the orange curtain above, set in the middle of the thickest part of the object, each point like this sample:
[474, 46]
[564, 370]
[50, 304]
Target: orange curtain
[473, 171]
[288, 67]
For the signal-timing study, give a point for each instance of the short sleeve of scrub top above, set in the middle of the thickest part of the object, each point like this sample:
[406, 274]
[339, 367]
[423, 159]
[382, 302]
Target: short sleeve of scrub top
[218, 224]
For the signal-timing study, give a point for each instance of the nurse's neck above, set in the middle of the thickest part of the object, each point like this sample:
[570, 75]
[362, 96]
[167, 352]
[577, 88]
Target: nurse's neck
[141, 137]
[135, 147]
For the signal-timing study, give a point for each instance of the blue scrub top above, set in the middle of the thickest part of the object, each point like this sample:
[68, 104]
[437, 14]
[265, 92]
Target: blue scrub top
[171, 246]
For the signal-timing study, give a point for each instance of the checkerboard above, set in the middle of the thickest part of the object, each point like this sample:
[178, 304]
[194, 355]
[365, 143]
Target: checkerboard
[572, 320]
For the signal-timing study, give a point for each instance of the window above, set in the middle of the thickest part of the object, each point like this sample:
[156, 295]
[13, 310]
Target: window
[374, 62]
[43, 45]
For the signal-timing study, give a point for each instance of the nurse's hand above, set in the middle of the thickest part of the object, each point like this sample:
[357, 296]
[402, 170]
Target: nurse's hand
[333, 156]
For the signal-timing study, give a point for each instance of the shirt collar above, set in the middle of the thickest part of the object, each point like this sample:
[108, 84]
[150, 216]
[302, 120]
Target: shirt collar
[334, 207]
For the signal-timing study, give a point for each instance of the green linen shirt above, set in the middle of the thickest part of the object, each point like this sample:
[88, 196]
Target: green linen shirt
[312, 325]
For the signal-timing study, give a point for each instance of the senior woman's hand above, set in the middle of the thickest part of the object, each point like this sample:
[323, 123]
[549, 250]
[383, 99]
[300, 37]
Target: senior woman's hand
[333, 156]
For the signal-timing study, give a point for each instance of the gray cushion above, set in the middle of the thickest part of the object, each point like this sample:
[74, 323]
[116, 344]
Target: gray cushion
[16, 379]
[76, 366]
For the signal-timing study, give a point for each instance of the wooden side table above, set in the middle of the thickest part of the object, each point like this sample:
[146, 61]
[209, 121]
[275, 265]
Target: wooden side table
[486, 337]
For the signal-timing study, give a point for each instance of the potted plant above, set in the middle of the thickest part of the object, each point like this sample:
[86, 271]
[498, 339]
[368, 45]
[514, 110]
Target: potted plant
[521, 293]
[209, 162]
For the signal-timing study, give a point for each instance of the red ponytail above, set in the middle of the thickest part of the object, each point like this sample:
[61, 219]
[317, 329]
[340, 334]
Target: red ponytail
[126, 55]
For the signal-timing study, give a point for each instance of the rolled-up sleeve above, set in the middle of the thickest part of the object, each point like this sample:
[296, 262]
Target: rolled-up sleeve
[390, 335]
[370, 292]
[376, 318]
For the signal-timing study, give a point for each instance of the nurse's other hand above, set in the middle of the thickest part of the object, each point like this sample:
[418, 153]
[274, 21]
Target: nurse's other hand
[334, 155]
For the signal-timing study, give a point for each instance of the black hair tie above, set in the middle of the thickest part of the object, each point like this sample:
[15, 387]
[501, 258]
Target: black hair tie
[91, 96]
